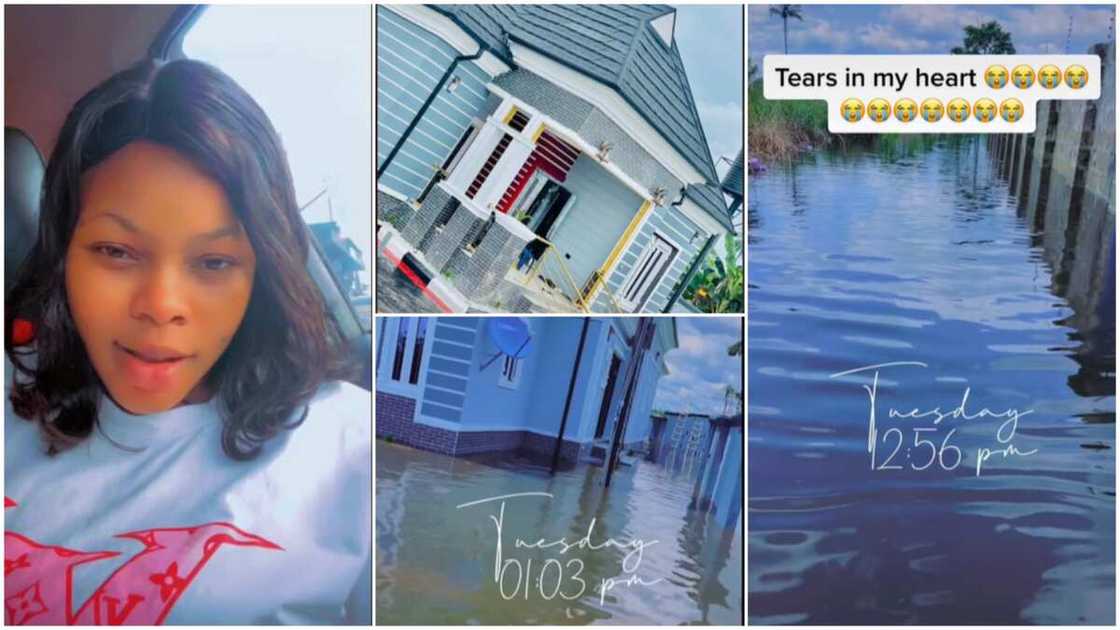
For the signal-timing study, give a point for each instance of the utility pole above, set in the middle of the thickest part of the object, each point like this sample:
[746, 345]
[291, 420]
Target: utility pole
[568, 399]
[639, 343]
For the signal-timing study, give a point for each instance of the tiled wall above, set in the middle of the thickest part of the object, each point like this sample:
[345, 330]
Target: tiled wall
[394, 420]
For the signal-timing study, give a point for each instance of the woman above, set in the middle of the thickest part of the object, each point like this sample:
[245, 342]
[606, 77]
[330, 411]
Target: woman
[184, 451]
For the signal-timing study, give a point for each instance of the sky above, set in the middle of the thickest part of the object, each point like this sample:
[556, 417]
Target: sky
[310, 69]
[700, 369]
[710, 41]
[925, 29]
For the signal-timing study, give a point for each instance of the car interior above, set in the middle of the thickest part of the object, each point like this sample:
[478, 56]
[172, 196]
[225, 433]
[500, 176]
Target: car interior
[54, 55]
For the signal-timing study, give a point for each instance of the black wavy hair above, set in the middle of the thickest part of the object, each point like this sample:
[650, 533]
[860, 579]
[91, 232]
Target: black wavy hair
[285, 347]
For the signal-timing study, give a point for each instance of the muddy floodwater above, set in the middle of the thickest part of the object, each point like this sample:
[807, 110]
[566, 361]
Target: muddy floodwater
[631, 554]
[987, 495]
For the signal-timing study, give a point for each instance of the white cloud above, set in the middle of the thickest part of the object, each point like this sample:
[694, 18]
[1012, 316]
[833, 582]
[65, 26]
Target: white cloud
[1049, 24]
[815, 31]
[934, 19]
[723, 124]
[700, 369]
[887, 40]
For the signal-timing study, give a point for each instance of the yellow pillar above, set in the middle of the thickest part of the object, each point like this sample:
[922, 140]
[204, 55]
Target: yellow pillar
[608, 264]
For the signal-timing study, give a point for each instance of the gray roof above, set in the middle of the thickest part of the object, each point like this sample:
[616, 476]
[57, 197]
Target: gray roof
[709, 197]
[616, 45]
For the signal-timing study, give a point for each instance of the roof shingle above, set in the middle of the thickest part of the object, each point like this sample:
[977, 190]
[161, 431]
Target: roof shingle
[614, 44]
[617, 46]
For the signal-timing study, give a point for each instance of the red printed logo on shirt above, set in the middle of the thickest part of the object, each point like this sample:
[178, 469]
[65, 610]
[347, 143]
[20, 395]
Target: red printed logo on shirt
[38, 579]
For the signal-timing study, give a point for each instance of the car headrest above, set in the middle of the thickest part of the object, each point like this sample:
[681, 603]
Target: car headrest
[23, 182]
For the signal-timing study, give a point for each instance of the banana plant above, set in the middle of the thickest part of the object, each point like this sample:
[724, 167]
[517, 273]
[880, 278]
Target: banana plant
[717, 287]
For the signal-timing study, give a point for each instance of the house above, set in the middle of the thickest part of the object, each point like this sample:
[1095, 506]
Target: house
[343, 257]
[711, 449]
[445, 385]
[543, 158]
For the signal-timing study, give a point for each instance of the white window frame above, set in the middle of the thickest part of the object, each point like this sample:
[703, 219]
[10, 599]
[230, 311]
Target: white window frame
[565, 212]
[537, 182]
[475, 126]
[502, 174]
[509, 376]
[387, 353]
[644, 293]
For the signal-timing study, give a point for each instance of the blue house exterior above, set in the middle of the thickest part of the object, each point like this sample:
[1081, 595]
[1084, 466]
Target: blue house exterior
[443, 386]
[543, 158]
[710, 449]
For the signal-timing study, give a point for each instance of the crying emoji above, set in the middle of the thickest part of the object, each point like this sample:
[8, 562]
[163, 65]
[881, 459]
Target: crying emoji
[1022, 76]
[1011, 110]
[985, 109]
[851, 110]
[905, 109]
[995, 76]
[1076, 77]
[1049, 77]
[932, 110]
[878, 109]
[958, 110]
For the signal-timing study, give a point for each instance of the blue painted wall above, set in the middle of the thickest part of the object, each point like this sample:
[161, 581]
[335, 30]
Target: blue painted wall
[490, 406]
[537, 403]
[599, 214]
[640, 424]
[456, 392]
[445, 386]
[410, 63]
[680, 231]
[728, 494]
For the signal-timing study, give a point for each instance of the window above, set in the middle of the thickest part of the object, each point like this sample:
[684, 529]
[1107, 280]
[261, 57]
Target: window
[380, 341]
[647, 273]
[517, 119]
[418, 349]
[511, 372]
[460, 147]
[295, 62]
[402, 349]
[490, 164]
[453, 158]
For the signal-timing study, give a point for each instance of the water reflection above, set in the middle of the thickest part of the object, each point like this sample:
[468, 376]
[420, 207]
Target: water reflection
[435, 563]
[925, 256]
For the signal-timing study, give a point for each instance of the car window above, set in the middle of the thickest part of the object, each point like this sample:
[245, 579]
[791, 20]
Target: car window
[310, 69]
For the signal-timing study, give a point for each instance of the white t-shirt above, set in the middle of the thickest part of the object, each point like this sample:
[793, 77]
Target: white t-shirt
[148, 521]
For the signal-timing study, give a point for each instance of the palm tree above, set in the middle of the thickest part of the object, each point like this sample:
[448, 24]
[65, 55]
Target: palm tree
[786, 11]
[986, 39]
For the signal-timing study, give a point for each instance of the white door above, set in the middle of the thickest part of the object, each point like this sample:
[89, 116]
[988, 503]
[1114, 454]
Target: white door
[647, 273]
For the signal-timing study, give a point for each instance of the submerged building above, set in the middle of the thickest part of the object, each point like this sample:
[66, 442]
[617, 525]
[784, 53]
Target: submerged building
[444, 384]
[543, 158]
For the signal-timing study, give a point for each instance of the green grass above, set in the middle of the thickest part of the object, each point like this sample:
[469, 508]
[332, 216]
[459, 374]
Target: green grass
[803, 115]
[778, 129]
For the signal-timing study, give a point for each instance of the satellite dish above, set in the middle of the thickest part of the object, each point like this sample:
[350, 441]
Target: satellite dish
[511, 336]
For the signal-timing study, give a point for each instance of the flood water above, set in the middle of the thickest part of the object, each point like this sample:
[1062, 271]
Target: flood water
[858, 260]
[436, 562]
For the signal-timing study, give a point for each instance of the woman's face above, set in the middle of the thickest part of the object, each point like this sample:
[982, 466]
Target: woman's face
[158, 276]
